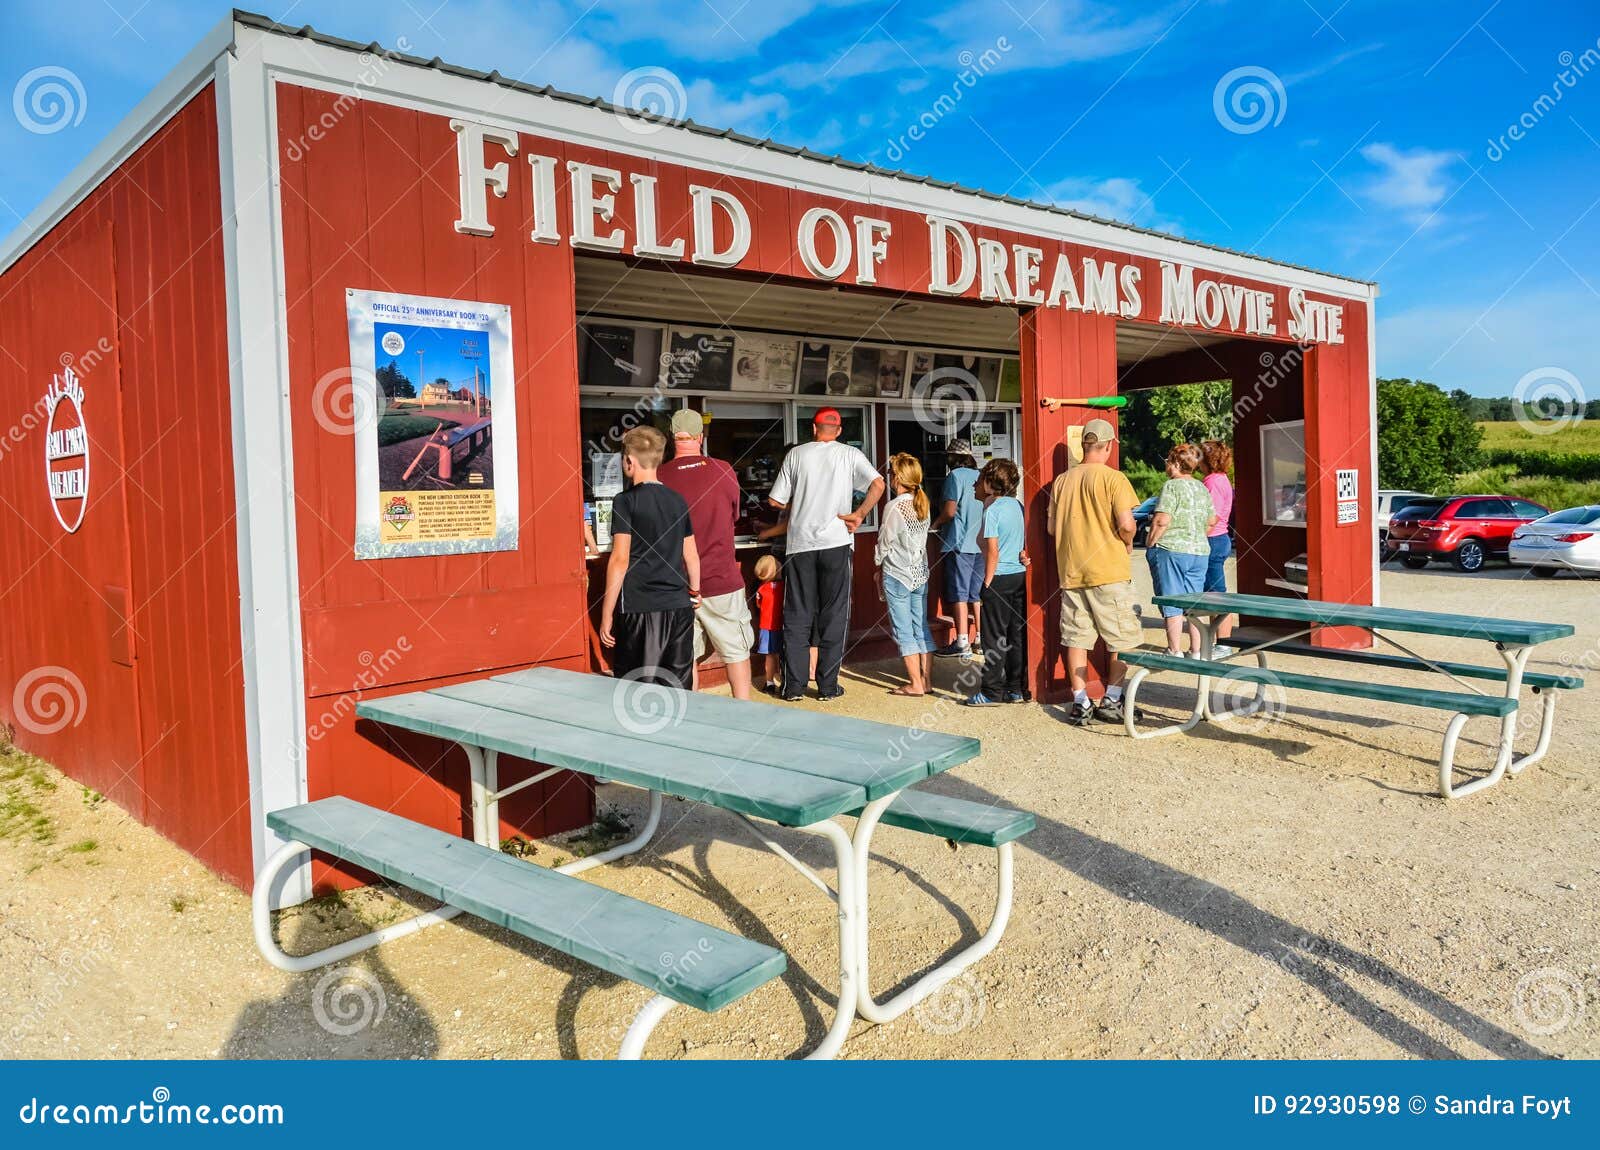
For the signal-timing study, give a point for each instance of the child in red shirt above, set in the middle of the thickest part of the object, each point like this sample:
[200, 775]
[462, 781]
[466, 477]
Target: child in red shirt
[769, 618]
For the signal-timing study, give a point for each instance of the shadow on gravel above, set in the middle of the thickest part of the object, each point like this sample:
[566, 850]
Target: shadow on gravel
[1324, 964]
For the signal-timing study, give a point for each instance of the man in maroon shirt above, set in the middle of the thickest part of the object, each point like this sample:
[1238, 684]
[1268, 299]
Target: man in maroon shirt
[711, 488]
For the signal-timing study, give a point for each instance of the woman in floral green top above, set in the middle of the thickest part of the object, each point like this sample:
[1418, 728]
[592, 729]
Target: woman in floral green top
[1177, 547]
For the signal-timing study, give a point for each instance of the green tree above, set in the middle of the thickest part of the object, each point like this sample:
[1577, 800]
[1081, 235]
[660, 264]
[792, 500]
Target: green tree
[1193, 412]
[393, 383]
[1424, 436]
[1159, 417]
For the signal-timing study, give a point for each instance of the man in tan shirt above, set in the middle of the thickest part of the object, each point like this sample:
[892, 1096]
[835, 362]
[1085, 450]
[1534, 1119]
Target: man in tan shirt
[1091, 519]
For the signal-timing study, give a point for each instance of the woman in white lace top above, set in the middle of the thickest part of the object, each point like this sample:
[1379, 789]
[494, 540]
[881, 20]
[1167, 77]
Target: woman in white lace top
[902, 557]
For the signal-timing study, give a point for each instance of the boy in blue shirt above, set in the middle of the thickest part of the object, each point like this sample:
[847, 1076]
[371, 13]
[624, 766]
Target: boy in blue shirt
[959, 513]
[1005, 591]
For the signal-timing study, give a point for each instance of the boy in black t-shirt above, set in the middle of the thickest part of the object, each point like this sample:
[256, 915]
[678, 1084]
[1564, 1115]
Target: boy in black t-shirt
[653, 578]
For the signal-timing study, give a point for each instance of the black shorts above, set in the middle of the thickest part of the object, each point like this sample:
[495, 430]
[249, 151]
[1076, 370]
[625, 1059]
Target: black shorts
[654, 646]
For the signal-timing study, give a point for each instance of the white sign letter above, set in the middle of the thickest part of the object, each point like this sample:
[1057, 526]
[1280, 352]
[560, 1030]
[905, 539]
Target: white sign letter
[872, 245]
[807, 242]
[477, 176]
[940, 281]
[705, 231]
[587, 207]
[645, 240]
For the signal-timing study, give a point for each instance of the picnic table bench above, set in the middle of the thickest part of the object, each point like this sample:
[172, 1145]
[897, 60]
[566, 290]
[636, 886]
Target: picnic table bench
[1513, 639]
[791, 768]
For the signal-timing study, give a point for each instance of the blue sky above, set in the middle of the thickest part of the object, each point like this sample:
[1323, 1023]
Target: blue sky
[1382, 152]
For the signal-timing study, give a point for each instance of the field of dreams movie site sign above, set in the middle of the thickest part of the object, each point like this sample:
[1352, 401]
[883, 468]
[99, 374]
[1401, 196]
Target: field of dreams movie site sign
[1019, 273]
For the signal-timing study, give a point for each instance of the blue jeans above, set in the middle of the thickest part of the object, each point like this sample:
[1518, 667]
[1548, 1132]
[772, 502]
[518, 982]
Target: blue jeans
[908, 616]
[1176, 573]
[1217, 563]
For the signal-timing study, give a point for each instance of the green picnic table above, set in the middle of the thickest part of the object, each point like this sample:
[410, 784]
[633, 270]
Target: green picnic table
[762, 763]
[1512, 639]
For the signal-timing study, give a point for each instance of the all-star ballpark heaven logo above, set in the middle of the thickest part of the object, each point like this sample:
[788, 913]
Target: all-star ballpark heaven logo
[66, 450]
[397, 512]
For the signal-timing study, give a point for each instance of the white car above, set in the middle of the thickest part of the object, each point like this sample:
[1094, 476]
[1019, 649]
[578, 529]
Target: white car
[1390, 501]
[1569, 539]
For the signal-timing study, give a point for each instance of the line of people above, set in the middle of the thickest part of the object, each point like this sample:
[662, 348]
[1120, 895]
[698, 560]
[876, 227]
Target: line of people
[674, 587]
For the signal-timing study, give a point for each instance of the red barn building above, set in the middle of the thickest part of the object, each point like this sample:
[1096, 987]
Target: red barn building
[229, 509]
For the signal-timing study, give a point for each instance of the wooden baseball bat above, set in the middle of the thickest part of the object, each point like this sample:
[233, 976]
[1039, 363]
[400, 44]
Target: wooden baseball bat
[1109, 401]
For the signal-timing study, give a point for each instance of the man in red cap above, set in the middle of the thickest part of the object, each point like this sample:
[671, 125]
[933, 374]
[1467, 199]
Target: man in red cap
[817, 489]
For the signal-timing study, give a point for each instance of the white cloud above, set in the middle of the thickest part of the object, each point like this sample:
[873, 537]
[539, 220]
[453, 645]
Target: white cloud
[1485, 345]
[1413, 182]
[754, 113]
[1117, 198]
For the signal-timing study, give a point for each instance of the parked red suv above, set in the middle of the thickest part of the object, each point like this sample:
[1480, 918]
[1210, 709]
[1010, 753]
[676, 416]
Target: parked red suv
[1466, 529]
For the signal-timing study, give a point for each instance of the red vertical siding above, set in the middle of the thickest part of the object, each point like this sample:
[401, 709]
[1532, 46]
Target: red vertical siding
[1063, 354]
[139, 262]
[371, 206]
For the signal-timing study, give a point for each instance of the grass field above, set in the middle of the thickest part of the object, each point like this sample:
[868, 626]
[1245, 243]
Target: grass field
[1511, 435]
[399, 428]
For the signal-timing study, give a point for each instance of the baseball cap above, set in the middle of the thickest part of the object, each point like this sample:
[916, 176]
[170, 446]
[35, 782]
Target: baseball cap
[1100, 431]
[827, 417]
[688, 423]
[958, 447]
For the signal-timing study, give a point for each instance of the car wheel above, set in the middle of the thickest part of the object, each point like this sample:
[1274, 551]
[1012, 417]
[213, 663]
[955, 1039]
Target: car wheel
[1545, 572]
[1469, 555]
[1415, 562]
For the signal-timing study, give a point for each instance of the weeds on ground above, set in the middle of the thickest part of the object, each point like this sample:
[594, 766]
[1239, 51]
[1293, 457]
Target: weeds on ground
[23, 779]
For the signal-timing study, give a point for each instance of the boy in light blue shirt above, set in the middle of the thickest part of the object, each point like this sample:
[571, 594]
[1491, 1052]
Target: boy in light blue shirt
[960, 511]
[1003, 538]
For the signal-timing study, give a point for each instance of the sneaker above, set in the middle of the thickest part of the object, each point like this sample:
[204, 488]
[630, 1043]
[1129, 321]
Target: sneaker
[772, 689]
[960, 649]
[1109, 710]
[1016, 697]
[1222, 651]
[978, 700]
[791, 698]
[1080, 714]
[836, 693]
[977, 642]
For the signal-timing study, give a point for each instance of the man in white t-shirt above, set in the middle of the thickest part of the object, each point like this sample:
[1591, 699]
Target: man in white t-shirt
[816, 489]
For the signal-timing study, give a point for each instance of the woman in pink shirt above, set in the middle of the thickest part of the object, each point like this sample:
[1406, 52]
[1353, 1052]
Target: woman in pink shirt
[1218, 458]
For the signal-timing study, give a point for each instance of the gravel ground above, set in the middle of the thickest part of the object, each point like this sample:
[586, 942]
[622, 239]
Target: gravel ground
[1290, 890]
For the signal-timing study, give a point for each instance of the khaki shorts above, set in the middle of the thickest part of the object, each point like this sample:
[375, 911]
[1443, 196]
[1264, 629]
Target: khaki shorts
[724, 621]
[1104, 612]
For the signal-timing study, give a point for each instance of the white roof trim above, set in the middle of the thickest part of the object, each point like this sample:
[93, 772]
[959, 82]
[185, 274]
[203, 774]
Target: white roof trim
[148, 116]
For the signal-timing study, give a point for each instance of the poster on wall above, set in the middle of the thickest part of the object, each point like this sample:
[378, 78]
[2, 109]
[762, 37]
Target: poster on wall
[764, 363]
[436, 463]
[700, 360]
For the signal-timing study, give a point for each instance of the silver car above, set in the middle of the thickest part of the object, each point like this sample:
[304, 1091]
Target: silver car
[1567, 539]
